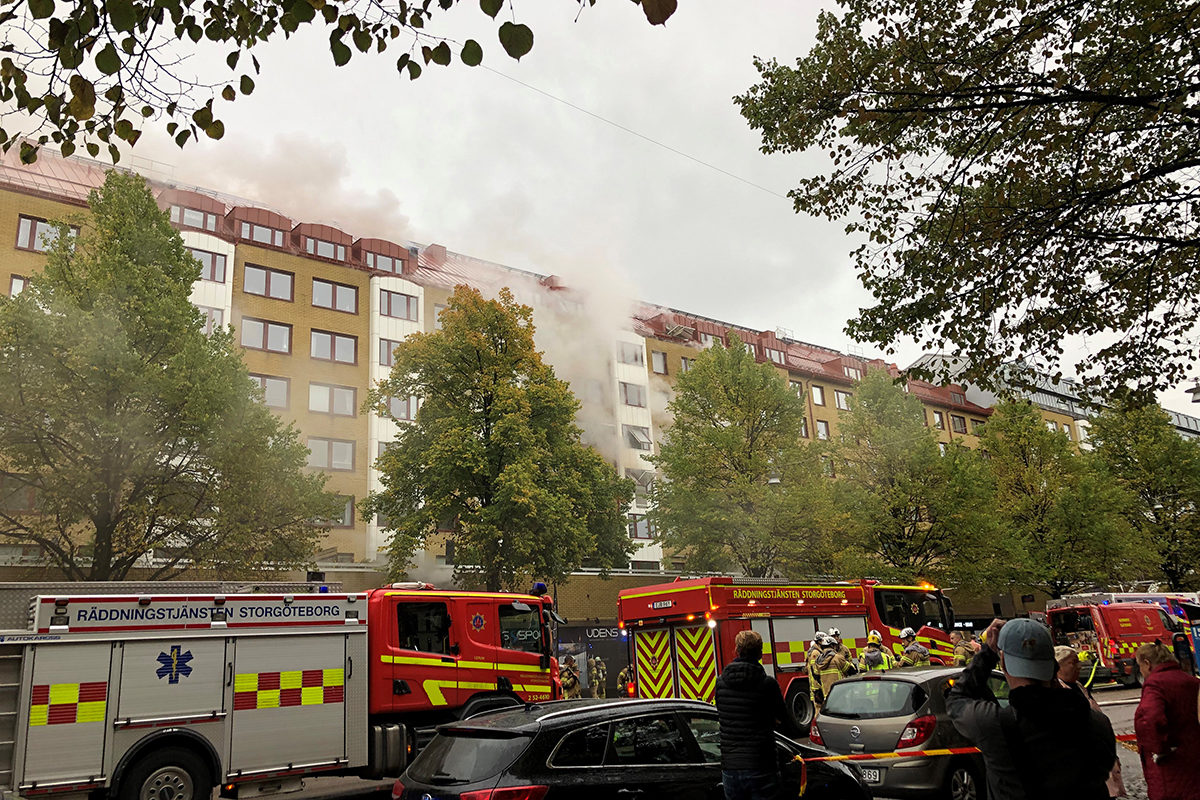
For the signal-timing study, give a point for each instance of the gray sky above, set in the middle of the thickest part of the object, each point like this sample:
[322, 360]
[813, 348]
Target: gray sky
[470, 159]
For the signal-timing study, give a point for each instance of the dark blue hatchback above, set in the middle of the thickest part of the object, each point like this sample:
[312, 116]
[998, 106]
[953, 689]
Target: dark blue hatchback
[592, 749]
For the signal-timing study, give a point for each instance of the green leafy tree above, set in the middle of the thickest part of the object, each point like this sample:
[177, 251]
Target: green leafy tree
[739, 486]
[907, 510]
[128, 432]
[1161, 471]
[494, 454]
[1017, 172]
[1067, 514]
[92, 72]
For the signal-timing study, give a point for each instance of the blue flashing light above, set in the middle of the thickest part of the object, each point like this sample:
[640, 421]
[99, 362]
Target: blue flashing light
[322, 590]
[1104, 602]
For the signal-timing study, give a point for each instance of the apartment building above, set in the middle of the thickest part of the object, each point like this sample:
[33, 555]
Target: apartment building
[318, 311]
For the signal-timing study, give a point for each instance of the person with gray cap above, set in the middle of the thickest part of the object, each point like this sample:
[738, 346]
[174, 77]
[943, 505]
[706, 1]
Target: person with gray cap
[1047, 742]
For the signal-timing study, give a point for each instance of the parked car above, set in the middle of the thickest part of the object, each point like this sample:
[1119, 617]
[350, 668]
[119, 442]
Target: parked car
[597, 749]
[900, 710]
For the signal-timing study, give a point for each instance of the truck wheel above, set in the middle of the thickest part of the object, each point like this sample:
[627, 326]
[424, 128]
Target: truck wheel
[800, 708]
[172, 773]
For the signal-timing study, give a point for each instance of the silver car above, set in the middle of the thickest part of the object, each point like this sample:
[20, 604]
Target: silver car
[898, 711]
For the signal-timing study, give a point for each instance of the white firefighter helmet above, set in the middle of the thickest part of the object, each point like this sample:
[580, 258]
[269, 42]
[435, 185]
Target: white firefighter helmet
[908, 633]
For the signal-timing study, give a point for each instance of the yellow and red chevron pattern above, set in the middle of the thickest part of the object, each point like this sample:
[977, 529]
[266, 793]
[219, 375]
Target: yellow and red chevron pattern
[65, 703]
[697, 663]
[652, 654]
[308, 687]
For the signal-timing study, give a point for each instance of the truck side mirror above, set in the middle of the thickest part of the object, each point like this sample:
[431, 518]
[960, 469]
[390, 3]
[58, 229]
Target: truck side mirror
[545, 661]
[454, 648]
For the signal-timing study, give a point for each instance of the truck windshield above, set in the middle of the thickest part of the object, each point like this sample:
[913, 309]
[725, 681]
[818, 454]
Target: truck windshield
[520, 628]
[912, 608]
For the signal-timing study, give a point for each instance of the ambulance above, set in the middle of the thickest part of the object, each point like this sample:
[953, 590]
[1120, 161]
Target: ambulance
[681, 634]
[166, 696]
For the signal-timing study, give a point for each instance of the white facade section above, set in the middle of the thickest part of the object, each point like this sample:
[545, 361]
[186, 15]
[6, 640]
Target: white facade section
[207, 293]
[634, 421]
[381, 430]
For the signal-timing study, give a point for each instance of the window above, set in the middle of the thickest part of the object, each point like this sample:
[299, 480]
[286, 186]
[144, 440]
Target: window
[643, 483]
[644, 566]
[259, 334]
[340, 401]
[645, 740]
[194, 218]
[638, 437]
[398, 305]
[822, 429]
[335, 454]
[797, 387]
[520, 628]
[708, 340]
[382, 447]
[818, 395]
[424, 627]
[37, 234]
[324, 249]
[212, 265]
[939, 420]
[1067, 431]
[776, 356]
[804, 427]
[658, 362]
[827, 466]
[686, 363]
[841, 400]
[343, 520]
[958, 398]
[267, 282]
[583, 748]
[438, 308]
[403, 407]
[707, 732]
[213, 318]
[16, 285]
[387, 348]
[633, 395]
[1050, 426]
[338, 296]
[640, 528]
[262, 234]
[853, 373]
[275, 390]
[629, 353]
[16, 496]
[384, 263]
[977, 426]
[958, 424]
[328, 346]
[942, 448]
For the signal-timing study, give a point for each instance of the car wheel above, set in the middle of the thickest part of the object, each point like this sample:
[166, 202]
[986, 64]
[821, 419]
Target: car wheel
[962, 783]
[800, 707]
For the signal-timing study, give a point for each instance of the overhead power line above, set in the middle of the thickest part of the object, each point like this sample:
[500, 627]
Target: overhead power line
[632, 132]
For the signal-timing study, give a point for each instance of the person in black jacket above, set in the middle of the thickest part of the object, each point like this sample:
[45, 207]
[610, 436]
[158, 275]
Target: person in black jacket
[750, 708]
[1048, 742]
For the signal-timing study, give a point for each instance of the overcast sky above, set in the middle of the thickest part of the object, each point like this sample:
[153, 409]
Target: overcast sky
[470, 159]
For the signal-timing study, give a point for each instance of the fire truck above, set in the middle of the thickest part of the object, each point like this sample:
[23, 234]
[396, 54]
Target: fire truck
[164, 696]
[681, 634]
[1107, 633]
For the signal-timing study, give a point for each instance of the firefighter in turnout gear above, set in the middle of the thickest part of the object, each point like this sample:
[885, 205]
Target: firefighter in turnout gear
[915, 654]
[624, 678]
[874, 657]
[570, 679]
[599, 678]
[828, 669]
[963, 652]
[843, 651]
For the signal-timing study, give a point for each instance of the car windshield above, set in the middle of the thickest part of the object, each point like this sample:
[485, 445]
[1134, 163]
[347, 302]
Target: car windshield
[912, 608]
[869, 699]
[460, 757]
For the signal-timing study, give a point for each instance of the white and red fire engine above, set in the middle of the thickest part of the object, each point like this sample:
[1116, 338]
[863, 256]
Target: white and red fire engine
[166, 696]
[682, 632]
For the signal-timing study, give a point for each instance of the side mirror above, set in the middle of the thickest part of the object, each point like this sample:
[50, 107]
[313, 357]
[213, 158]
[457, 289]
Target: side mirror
[454, 649]
[545, 661]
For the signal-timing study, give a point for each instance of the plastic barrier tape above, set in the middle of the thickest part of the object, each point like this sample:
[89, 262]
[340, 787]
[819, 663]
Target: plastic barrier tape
[948, 751]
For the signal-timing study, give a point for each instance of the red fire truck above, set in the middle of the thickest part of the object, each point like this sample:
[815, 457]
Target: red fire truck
[166, 696]
[682, 633]
[1108, 634]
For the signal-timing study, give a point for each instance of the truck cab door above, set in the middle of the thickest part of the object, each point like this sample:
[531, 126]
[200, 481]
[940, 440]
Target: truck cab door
[522, 658]
[423, 656]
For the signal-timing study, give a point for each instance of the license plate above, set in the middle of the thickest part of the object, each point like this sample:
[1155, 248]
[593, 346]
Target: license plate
[872, 775]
